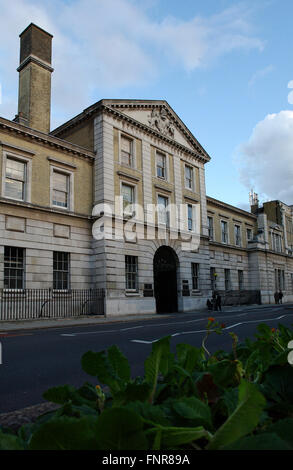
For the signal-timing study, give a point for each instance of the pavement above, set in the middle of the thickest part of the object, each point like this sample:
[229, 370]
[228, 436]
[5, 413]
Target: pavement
[17, 325]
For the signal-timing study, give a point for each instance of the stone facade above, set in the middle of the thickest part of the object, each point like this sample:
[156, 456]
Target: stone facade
[141, 150]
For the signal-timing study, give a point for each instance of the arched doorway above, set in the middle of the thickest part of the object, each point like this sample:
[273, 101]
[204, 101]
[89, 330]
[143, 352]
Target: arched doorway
[165, 280]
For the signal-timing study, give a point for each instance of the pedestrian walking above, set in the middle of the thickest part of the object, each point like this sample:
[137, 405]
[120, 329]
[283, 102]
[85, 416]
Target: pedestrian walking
[219, 302]
[280, 296]
[276, 296]
[214, 301]
[209, 304]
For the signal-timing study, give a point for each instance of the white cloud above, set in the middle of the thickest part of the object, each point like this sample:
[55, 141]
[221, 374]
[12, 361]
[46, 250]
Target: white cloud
[266, 159]
[259, 74]
[110, 44]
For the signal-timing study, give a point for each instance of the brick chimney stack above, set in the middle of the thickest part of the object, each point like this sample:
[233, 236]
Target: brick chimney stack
[34, 95]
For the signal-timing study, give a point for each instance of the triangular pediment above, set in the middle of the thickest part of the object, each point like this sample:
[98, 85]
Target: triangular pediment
[160, 117]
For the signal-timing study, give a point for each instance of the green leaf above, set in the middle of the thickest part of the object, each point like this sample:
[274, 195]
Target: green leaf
[120, 429]
[284, 430]
[243, 420]
[176, 436]
[224, 373]
[98, 365]
[189, 357]
[10, 442]
[119, 363]
[194, 410]
[66, 433]
[151, 413]
[265, 441]
[157, 362]
[278, 383]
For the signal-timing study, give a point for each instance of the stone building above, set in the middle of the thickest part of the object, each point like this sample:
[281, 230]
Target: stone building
[115, 199]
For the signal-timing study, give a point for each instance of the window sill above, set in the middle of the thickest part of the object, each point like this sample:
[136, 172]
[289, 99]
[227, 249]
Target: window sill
[130, 293]
[196, 293]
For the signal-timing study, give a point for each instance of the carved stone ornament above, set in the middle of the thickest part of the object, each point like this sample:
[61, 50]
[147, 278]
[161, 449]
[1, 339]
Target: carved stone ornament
[158, 119]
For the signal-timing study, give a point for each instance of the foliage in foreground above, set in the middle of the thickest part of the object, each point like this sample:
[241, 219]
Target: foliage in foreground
[186, 400]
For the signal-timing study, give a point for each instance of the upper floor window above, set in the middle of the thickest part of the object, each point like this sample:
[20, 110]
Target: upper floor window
[127, 151]
[237, 234]
[277, 242]
[189, 180]
[211, 227]
[161, 165]
[128, 195]
[61, 189]
[163, 214]
[14, 267]
[224, 231]
[15, 178]
[249, 234]
[190, 221]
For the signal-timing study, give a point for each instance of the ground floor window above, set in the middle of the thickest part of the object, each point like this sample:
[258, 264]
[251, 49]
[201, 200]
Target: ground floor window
[213, 278]
[195, 275]
[131, 273]
[14, 267]
[227, 279]
[240, 280]
[279, 279]
[61, 275]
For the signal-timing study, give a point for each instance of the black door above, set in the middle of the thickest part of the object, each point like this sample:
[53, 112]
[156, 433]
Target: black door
[165, 280]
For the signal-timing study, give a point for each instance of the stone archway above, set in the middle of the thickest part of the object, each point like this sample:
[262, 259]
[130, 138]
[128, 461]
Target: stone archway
[165, 280]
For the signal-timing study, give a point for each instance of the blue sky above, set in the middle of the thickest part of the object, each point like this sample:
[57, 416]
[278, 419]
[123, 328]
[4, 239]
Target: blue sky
[224, 66]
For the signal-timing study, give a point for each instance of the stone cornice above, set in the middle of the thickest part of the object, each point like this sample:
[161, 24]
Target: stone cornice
[113, 107]
[224, 205]
[45, 139]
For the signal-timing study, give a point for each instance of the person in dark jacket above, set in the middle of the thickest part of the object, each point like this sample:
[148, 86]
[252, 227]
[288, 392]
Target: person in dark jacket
[276, 296]
[209, 304]
[280, 296]
[218, 302]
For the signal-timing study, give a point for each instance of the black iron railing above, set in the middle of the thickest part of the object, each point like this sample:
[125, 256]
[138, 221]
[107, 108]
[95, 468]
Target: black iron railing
[22, 304]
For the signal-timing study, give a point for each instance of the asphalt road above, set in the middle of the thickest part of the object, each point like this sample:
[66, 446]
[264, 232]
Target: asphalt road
[35, 360]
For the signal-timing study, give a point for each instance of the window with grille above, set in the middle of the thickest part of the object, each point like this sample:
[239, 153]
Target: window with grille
[189, 177]
[13, 267]
[161, 165]
[240, 280]
[131, 273]
[126, 151]
[213, 278]
[195, 275]
[15, 179]
[60, 189]
[279, 279]
[61, 262]
[227, 279]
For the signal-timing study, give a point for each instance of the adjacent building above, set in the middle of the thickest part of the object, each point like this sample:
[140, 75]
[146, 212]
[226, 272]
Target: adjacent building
[115, 199]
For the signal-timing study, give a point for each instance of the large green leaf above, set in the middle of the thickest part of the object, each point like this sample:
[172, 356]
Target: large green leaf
[119, 363]
[158, 361]
[121, 429]
[194, 410]
[243, 420]
[278, 384]
[225, 373]
[66, 433]
[265, 441]
[10, 442]
[112, 369]
[189, 357]
[175, 436]
[284, 429]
